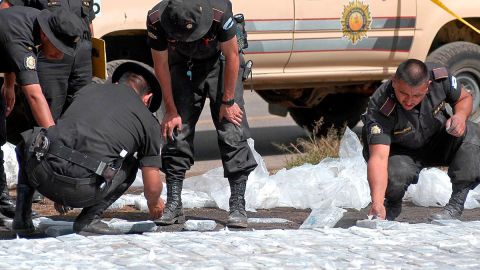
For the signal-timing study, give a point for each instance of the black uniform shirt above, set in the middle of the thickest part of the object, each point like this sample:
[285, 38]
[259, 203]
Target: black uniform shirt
[82, 8]
[19, 33]
[102, 121]
[386, 122]
[223, 29]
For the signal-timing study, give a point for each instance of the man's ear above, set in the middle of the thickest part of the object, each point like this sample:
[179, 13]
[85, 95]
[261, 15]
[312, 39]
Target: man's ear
[146, 99]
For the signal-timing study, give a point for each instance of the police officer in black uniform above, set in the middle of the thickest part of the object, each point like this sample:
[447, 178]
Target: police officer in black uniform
[196, 55]
[88, 158]
[21, 30]
[61, 79]
[407, 127]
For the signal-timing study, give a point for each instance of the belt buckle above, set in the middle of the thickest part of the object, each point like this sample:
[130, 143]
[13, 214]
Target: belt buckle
[40, 145]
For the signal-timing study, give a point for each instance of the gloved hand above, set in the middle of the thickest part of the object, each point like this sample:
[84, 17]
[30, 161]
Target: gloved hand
[62, 209]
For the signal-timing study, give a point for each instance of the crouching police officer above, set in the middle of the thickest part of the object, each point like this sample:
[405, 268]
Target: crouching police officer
[196, 55]
[87, 160]
[21, 30]
[407, 128]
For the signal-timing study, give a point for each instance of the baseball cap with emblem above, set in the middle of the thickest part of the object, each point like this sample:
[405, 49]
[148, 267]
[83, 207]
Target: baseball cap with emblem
[187, 20]
[62, 29]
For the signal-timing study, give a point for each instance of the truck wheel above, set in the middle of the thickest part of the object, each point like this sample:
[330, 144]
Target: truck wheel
[111, 66]
[463, 61]
[336, 110]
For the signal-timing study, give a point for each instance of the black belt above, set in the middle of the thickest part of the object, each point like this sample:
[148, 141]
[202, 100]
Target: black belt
[42, 145]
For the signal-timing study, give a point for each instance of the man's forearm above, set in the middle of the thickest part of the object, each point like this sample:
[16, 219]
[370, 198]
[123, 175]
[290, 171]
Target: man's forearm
[231, 75]
[377, 179]
[162, 71]
[152, 184]
[38, 105]
[9, 79]
[463, 107]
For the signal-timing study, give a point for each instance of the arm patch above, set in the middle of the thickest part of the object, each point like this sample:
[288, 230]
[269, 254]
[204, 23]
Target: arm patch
[440, 73]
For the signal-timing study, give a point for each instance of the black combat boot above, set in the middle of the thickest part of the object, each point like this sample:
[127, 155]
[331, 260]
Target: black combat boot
[88, 221]
[7, 205]
[22, 222]
[238, 216]
[454, 207]
[173, 212]
[393, 209]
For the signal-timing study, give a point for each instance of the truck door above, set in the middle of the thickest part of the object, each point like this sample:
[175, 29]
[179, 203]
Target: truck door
[342, 37]
[269, 24]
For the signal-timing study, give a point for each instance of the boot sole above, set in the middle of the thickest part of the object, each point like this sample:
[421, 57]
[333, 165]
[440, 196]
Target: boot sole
[177, 220]
[237, 225]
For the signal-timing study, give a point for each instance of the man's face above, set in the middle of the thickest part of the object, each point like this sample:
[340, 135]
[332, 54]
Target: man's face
[50, 51]
[409, 96]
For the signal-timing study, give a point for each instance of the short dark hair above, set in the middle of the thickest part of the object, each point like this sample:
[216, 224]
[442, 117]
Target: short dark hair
[413, 72]
[137, 81]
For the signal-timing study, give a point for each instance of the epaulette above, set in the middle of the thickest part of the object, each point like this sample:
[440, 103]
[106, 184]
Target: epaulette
[440, 73]
[388, 106]
[217, 15]
[153, 16]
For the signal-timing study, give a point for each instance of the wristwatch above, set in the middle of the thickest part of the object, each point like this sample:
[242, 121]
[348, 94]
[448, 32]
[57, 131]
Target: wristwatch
[229, 102]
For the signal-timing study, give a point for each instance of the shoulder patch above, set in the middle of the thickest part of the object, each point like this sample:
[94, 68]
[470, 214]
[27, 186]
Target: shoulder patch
[217, 14]
[440, 73]
[375, 129]
[153, 16]
[30, 62]
[228, 24]
[454, 82]
[388, 106]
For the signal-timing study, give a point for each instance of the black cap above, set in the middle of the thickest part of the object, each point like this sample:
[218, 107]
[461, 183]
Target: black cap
[148, 74]
[187, 20]
[16, 2]
[62, 28]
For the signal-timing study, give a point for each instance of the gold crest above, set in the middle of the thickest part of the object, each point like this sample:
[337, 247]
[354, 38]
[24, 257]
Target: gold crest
[356, 21]
[30, 62]
[375, 129]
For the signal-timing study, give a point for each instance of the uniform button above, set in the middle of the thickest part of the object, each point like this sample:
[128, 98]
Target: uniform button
[29, 48]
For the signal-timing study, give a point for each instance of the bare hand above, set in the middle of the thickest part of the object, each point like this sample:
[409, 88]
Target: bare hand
[156, 209]
[9, 96]
[377, 210]
[455, 126]
[169, 123]
[233, 114]
[62, 209]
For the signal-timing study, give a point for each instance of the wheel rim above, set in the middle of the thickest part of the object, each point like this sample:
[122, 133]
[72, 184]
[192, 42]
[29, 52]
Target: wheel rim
[470, 79]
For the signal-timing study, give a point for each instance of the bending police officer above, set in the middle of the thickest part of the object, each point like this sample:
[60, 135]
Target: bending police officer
[88, 159]
[407, 128]
[21, 30]
[195, 55]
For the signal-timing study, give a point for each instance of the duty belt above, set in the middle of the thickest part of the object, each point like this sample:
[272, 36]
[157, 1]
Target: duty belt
[42, 145]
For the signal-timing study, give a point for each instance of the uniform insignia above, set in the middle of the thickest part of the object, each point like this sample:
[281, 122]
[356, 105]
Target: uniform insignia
[356, 21]
[30, 62]
[439, 107]
[154, 17]
[228, 24]
[375, 129]
[152, 35]
[189, 25]
[403, 131]
[217, 15]
[440, 73]
[388, 106]
[454, 82]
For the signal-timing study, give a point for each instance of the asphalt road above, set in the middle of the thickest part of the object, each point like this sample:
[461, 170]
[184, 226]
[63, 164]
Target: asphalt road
[266, 130]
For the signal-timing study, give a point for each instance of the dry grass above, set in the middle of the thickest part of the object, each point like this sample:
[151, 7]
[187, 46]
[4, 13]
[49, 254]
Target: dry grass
[312, 149]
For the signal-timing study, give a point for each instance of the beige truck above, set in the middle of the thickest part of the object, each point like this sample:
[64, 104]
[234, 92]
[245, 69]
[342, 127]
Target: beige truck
[323, 58]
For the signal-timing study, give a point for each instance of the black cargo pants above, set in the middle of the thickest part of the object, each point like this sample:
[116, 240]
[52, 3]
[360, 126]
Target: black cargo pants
[61, 79]
[69, 191]
[189, 96]
[461, 155]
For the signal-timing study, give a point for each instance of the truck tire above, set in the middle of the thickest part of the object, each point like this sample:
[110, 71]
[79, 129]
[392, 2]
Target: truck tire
[336, 111]
[111, 66]
[463, 61]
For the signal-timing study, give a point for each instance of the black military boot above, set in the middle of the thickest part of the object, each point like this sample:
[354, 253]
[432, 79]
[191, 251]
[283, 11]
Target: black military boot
[454, 207]
[22, 222]
[7, 204]
[393, 209]
[173, 212]
[238, 216]
[89, 221]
